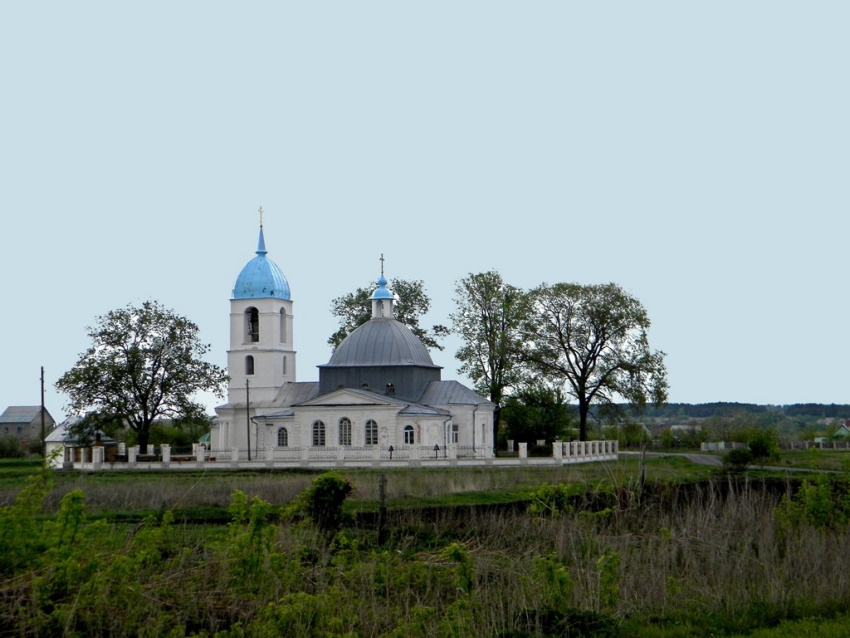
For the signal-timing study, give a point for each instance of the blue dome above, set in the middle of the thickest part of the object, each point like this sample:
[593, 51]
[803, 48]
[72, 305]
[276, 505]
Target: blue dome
[261, 278]
[381, 292]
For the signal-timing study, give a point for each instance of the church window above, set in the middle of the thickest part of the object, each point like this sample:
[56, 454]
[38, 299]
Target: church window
[284, 364]
[345, 431]
[282, 438]
[390, 389]
[318, 434]
[249, 365]
[409, 436]
[252, 324]
[455, 430]
[371, 432]
[283, 325]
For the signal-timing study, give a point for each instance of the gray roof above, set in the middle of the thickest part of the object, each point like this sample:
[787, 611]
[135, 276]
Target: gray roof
[22, 414]
[449, 393]
[61, 434]
[289, 394]
[375, 397]
[381, 342]
[424, 410]
[292, 393]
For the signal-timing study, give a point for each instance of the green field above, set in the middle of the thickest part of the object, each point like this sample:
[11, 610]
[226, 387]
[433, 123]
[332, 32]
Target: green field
[509, 552]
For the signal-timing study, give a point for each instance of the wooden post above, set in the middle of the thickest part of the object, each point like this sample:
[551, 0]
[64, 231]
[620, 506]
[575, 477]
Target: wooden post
[382, 509]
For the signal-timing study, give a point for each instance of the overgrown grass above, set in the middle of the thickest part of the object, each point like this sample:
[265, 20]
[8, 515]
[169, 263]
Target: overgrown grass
[686, 557]
[144, 492]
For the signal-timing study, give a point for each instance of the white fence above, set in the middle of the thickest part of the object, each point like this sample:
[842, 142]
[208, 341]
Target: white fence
[563, 453]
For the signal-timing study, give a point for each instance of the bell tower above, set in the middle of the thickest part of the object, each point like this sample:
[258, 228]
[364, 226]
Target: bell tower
[261, 353]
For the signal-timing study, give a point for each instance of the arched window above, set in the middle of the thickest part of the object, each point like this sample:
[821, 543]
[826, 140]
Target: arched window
[345, 431]
[318, 434]
[249, 365]
[283, 325]
[409, 436]
[252, 324]
[282, 438]
[371, 432]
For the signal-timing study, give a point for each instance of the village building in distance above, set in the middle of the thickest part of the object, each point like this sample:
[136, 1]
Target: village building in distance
[24, 423]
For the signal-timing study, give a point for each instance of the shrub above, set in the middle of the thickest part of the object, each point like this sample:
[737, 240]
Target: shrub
[763, 444]
[10, 448]
[552, 500]
[738, 460]
[322, 502]
[819, 504]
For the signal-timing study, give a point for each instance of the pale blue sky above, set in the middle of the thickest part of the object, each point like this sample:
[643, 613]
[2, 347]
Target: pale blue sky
[694, 153]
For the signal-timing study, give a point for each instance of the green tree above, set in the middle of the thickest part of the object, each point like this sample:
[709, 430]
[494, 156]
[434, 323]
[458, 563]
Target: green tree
[489, 318]
[536, 412]
[144, 364]
[593, 340]
[412, 302]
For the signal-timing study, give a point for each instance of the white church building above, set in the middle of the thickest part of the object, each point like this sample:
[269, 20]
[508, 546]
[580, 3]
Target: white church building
[380, 397]
[379, 400]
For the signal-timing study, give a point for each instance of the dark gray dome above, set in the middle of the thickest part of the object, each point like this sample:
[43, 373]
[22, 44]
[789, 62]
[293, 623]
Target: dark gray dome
[381, 342]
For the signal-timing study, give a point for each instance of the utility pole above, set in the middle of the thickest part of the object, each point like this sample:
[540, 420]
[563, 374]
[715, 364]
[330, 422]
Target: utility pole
[43, 433]
[248, 414]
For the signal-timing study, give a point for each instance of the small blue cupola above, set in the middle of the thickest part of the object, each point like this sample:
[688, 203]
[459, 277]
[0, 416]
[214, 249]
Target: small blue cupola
[382, 298]
[261, 278]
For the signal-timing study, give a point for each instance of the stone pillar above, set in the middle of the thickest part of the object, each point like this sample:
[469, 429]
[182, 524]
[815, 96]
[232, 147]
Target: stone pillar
[122, 449]
[452, 451]
[510, 445]
[305, 453]
[376, 453]
[523, 450]
[133, 454]
[200, 454]
[84, 455]
[340, 453]
[97, 457]
[270, 454]
[415, 453]
[166, 453]
[557, 450]
[234, 456]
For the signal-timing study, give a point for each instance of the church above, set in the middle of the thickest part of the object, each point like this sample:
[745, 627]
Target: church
[379, 397]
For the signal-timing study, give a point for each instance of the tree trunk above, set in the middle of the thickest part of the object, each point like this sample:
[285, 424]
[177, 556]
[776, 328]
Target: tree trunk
[143, 441]
[496, 398]
[583, 409]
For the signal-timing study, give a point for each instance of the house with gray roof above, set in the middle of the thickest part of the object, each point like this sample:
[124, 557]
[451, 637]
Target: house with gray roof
[24, 423]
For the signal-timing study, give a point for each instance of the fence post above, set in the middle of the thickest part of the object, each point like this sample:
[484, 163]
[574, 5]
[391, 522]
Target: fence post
[557, 450]
[97, 457]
